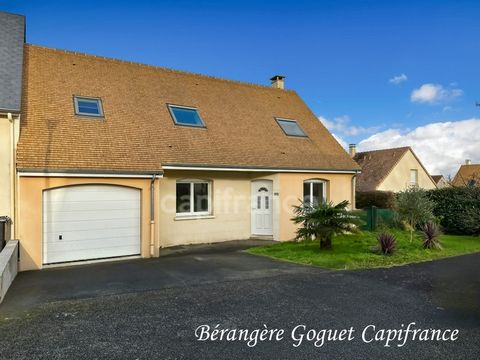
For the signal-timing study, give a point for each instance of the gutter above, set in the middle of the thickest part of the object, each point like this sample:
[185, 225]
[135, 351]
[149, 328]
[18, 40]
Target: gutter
[93, 174]
[258, 169]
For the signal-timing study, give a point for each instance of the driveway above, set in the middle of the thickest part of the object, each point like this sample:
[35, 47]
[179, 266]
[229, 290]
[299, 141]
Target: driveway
[147, 309]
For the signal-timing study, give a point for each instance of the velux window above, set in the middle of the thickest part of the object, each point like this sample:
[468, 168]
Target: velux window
[186, 116]
[291, 127]
[314, 192]
[193, 197]
[87, 106]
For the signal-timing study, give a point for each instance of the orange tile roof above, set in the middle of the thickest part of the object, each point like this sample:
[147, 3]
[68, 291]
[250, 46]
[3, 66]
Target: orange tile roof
[138, 133]
[466, 174]
[376, 165]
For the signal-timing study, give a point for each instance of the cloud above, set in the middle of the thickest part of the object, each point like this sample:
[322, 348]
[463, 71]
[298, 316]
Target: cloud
[398, 79]
[341, 125]
[434, 93]
[442, 146]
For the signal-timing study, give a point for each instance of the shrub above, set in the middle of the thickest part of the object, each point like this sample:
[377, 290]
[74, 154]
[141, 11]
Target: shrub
[323, 221]
[458, 209]
[380, 199]
[387, 243]
[431, 236]
[414, 207]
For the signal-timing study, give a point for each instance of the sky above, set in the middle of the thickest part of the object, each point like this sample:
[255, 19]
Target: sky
[377, 73]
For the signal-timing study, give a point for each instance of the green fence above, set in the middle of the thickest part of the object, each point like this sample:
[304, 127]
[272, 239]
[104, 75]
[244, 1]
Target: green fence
[374, 217]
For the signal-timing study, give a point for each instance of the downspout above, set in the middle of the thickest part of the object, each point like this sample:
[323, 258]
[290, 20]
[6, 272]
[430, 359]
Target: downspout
[13, 205]
[354, 185]
[152, 215]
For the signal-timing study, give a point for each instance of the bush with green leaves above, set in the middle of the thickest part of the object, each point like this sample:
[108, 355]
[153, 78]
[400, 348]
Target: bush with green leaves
[380, 199]
[414, 207]
[324, 220]
[458, 209]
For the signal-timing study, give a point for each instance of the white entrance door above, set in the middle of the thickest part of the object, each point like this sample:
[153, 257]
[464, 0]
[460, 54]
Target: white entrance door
[262, 214]
[90, 222]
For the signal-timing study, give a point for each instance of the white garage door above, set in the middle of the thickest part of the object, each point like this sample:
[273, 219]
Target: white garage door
[90, 222]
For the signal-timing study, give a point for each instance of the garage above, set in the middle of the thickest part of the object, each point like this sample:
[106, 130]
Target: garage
[87, 222]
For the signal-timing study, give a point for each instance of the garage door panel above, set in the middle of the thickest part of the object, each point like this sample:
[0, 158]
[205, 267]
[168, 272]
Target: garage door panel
[94, 244]
[63, 226]
[94, 214]
[89, 222]
[58, 257]
[87, 205]
[99, 233]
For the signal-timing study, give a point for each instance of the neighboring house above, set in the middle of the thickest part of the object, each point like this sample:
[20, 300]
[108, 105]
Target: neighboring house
[12, 38]
[440, 181]
[121, 159]
[390, 170]
[467, 175]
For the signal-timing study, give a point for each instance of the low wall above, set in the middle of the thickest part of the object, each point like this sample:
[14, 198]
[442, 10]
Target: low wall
[8, 266]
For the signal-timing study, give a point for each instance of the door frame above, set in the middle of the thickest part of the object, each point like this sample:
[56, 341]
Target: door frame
[253, 231]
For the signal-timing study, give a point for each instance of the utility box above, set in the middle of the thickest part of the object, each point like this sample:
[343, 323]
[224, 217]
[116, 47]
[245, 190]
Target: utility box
[5, 230]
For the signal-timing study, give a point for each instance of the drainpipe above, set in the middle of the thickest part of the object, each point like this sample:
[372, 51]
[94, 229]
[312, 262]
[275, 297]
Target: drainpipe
[152, 215]
[12, 174]
[354, 182]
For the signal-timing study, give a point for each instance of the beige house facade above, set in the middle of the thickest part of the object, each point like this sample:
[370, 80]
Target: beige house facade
[393, 170]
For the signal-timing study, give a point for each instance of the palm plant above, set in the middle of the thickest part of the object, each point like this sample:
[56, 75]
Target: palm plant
[324, 220]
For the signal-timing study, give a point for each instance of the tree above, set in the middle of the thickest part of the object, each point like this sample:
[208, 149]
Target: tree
[324, 220]
[414, 207]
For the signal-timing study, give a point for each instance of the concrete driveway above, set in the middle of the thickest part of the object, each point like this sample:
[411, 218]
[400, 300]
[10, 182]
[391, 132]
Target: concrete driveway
[147, 309]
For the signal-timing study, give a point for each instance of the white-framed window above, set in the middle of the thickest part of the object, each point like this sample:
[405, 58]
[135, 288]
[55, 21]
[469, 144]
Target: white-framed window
[88, 106]
[314, 191]
[413, 177]
[193, 197]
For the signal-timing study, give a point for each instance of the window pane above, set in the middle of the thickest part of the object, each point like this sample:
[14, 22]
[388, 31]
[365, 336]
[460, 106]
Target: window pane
[317, 193]
[200, 199]
[88, 106]
[413, 176]
[259, 202]
[267, 205]
[183, 197]
[306, 192]
[184, 116]
[291, 127]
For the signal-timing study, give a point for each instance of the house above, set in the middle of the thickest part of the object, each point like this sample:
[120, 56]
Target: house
[467, 175]
[12, 38]
[118, 159]
[440, 181]
[393, 169]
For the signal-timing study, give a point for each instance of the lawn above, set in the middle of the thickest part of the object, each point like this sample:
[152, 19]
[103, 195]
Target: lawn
[354, 251]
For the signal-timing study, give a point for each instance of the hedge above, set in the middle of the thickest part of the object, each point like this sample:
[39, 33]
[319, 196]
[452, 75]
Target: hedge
[380, 199]
[458, 209]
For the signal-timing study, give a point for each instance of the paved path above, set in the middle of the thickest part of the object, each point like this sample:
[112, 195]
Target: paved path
[146, 309]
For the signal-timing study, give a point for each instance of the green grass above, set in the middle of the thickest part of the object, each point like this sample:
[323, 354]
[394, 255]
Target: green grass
[354, 251]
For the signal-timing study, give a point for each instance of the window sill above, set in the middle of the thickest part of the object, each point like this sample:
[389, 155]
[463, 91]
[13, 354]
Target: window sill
[193, 217]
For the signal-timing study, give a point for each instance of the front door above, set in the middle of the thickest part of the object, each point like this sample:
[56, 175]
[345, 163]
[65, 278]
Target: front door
[262, 215]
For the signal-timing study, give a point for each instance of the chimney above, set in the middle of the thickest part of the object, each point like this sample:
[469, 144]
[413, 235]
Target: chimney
[352, 150]
[468, 162]
[278, 82]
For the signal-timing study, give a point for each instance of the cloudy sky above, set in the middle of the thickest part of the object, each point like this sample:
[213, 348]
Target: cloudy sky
[379, 73]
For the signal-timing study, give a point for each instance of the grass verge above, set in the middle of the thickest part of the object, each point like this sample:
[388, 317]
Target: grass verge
[355, 251]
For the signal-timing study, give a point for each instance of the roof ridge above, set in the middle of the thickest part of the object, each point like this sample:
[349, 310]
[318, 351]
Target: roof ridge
[386, 149]
[184, 72]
